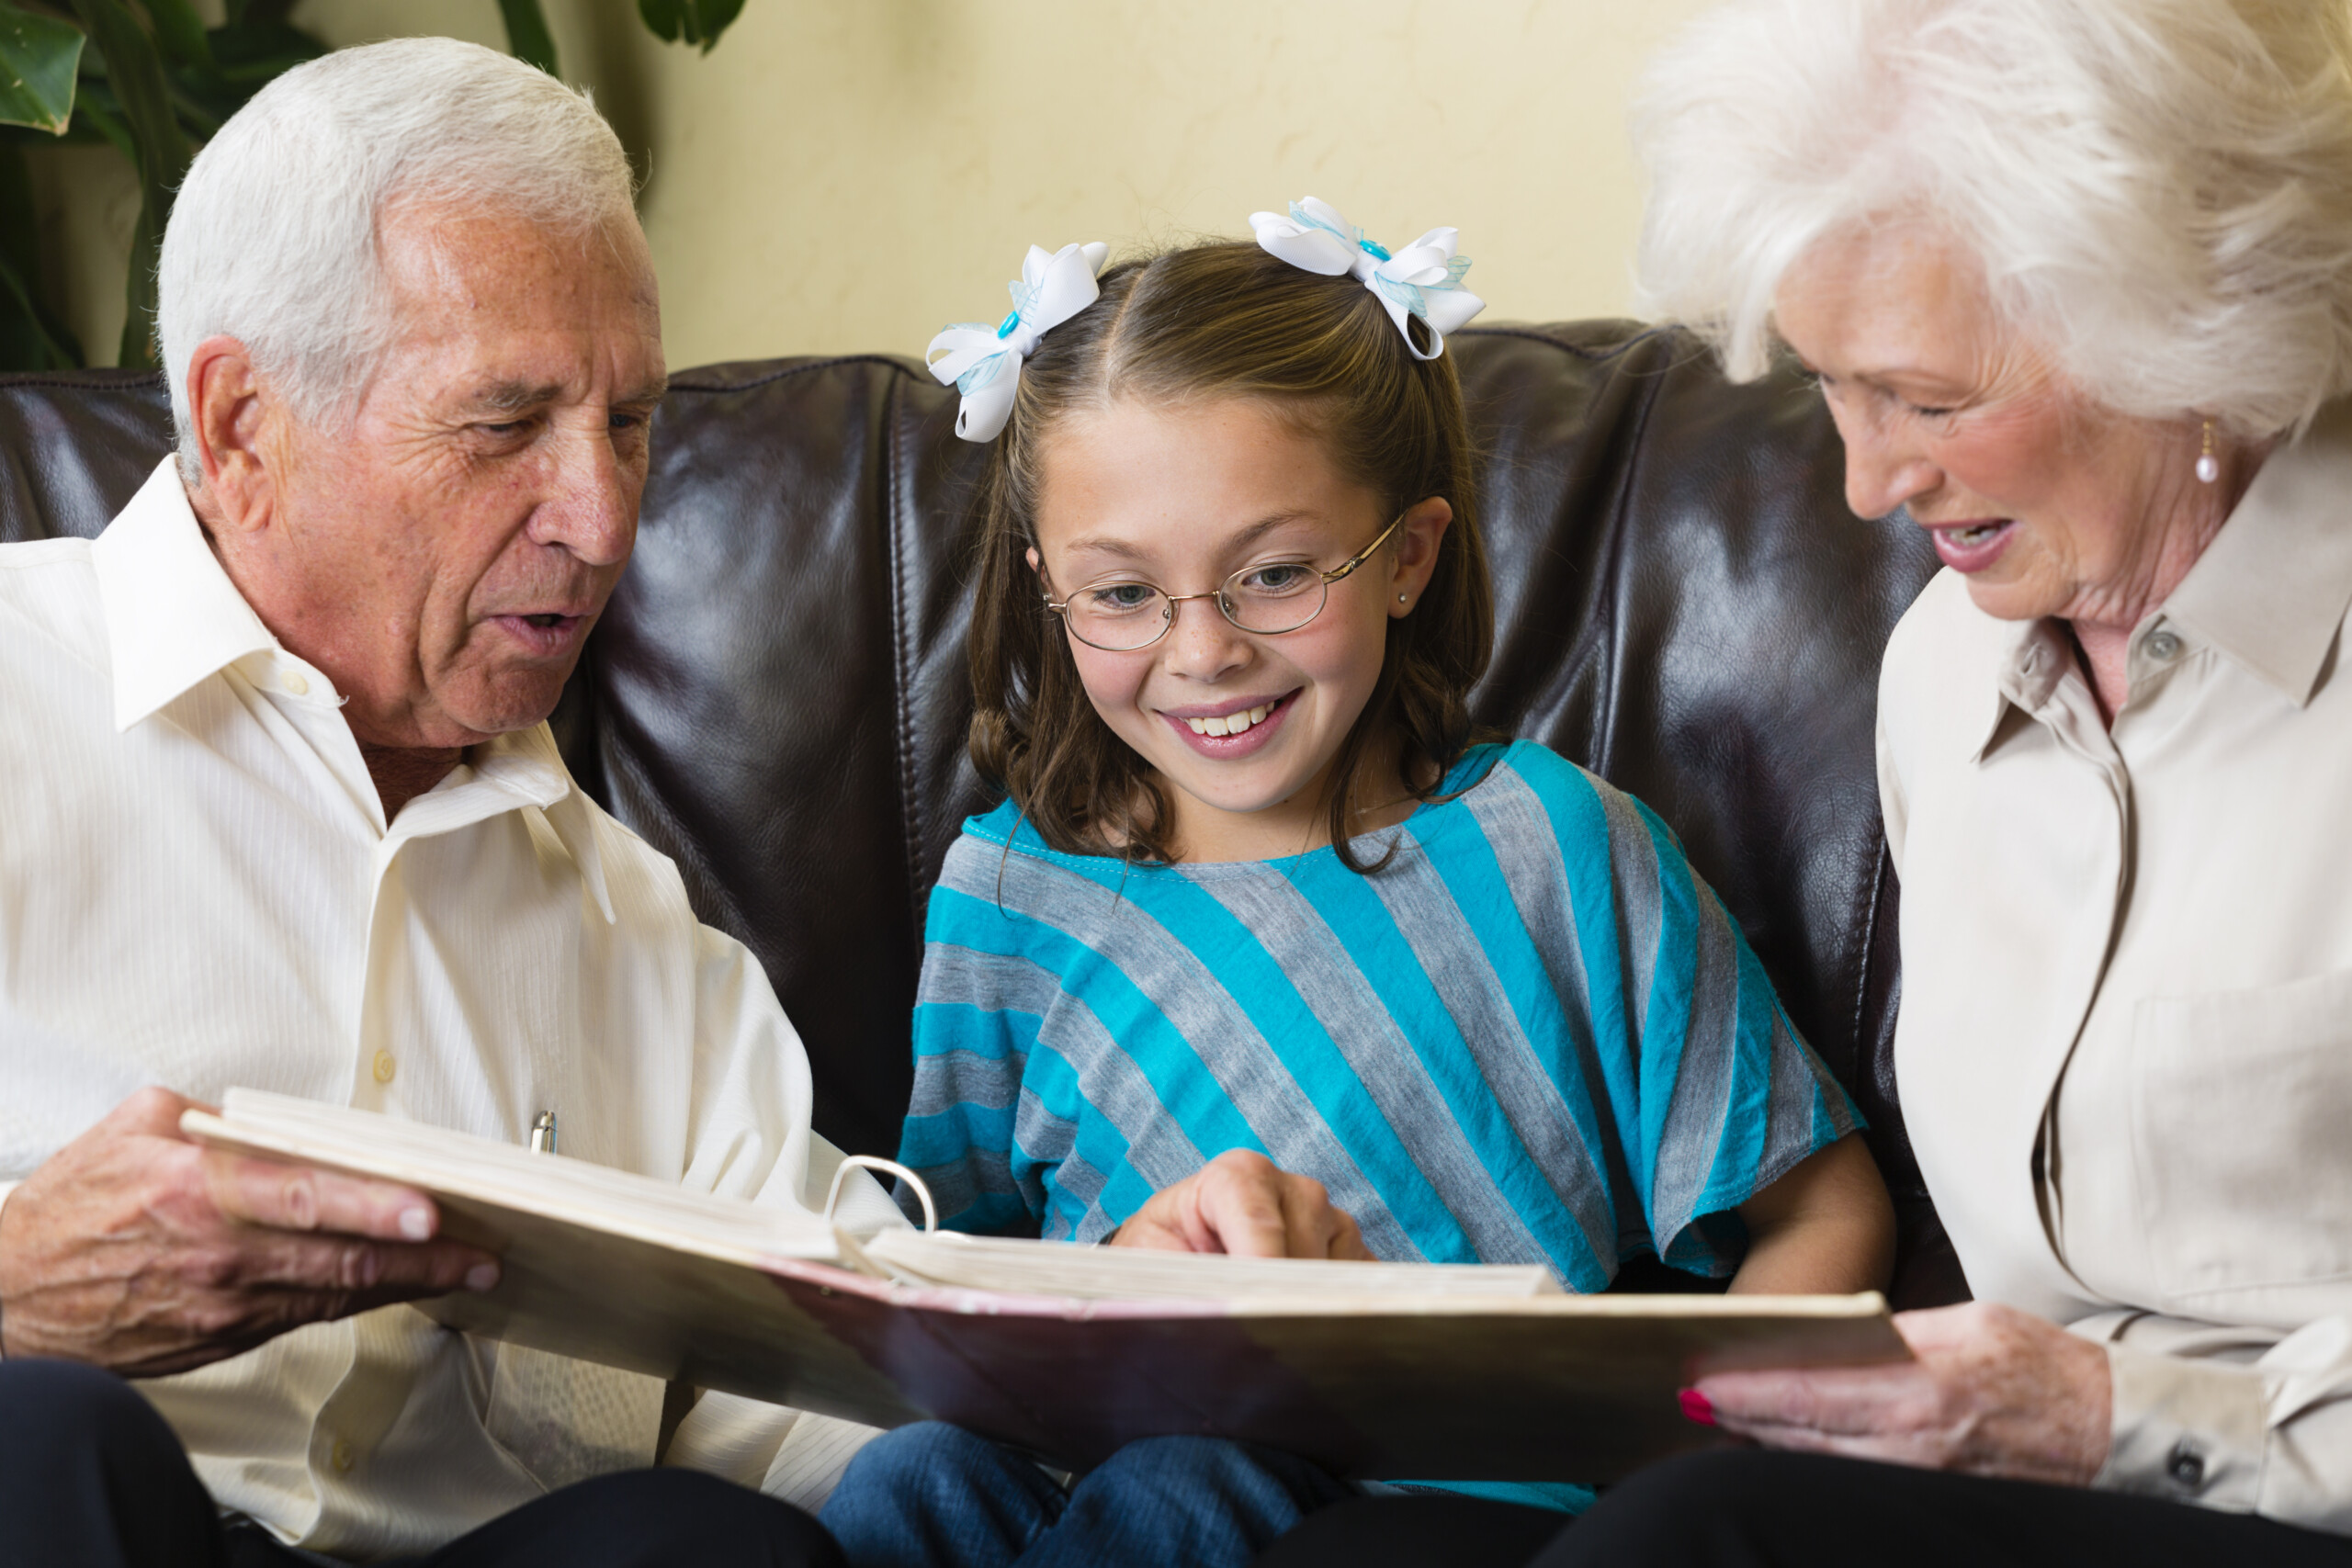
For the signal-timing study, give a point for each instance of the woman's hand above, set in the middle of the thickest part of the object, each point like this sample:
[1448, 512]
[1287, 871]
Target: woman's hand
[1242, 1203]
[1993, 1391]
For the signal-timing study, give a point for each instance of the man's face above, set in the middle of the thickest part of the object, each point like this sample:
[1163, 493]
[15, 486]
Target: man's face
[444, 559]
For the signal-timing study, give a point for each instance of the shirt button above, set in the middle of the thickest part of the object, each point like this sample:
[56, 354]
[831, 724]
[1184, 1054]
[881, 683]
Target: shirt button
[385, 1067]
[2163, 645]
[342, 1456]
[294, 683]
[2186, 1466]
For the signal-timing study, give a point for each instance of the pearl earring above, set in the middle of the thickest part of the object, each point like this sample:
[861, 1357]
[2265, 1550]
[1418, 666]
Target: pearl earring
[2208, 467]
[1400, 599]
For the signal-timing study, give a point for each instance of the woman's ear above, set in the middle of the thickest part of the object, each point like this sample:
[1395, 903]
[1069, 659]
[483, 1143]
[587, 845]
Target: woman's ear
[1030, 554]
[1414, 558]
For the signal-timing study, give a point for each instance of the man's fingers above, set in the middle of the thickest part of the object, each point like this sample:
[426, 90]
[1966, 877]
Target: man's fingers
[154, 1111]
[299, 1198]
[380, 1270]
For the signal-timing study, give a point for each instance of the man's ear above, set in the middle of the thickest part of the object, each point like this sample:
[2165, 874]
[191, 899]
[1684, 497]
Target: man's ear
[1419, 535]
[234, 414]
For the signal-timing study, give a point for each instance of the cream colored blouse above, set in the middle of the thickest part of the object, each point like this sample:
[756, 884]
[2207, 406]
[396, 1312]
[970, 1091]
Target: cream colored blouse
[2125, 1046]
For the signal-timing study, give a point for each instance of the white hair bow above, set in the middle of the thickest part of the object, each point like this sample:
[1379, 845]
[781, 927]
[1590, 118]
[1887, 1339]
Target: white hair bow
[984, 362]
[1423, 279]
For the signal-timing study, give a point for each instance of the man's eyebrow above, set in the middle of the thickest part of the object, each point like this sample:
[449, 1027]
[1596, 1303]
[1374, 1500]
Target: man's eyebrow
[513, 397]
[520, 397]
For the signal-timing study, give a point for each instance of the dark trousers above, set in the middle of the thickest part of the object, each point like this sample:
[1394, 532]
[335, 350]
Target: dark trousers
[91, 1477]
[1745, 1508]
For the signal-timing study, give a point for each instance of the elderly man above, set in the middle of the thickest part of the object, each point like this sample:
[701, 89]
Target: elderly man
[280, 810]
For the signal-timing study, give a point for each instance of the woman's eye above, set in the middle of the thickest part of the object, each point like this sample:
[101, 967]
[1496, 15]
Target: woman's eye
[1281, 577]
[1120, 596]
[1926, 413]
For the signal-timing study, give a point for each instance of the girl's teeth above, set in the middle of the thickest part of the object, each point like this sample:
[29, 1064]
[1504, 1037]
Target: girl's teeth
[1232, 723]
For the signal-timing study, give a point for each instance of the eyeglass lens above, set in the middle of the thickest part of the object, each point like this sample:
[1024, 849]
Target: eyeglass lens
[1281, 596]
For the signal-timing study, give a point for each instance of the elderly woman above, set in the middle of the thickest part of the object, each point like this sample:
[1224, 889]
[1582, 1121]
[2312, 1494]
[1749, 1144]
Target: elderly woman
[2075, 278]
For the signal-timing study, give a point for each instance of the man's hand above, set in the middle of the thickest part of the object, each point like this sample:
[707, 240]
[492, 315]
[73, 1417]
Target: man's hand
[1993, 1391]
[1241, 1204]
[135, 1249]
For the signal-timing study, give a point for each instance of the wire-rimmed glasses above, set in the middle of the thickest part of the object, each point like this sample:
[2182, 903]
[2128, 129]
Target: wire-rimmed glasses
[1265, 600]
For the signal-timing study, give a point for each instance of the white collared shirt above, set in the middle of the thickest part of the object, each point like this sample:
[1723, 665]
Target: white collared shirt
[2125, 1045]
[198, 889]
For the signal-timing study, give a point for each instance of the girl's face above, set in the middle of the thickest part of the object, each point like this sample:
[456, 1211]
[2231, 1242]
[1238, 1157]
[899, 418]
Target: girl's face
[1180, 497]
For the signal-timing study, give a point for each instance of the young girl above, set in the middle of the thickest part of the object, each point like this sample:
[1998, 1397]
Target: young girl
[1257, 887]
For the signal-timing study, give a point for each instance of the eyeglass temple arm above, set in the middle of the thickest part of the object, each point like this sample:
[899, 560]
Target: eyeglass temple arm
[1362, 556]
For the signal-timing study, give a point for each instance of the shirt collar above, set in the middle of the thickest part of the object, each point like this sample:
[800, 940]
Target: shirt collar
[517, 771]
[2272, 590]
[2028, 658]
[172, 616]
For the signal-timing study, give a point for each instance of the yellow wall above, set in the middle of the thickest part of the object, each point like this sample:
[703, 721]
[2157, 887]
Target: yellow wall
[850, 174]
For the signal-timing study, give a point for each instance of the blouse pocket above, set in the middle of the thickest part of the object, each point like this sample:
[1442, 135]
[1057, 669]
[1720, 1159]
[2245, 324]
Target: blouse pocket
[2241, 1140]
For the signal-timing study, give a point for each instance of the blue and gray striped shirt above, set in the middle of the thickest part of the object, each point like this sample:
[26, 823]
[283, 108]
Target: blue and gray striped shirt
[1534, 1036]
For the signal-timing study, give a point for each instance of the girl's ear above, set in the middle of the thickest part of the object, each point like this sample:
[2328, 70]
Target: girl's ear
[1415, 555]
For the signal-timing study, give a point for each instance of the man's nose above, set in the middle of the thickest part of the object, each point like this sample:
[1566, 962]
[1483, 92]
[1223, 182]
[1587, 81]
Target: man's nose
[1203, 645]
[591, 505]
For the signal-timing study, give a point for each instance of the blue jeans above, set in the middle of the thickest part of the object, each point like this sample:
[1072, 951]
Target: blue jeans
[933, 1495]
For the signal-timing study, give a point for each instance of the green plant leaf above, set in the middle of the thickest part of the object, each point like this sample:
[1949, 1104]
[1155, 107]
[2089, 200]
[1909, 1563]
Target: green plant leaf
[271, 11]
[38, 59]
[527, 35]
[690, 21]
[134, 71]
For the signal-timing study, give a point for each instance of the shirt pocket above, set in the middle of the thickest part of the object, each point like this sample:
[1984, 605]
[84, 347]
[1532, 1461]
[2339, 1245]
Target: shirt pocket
[2242, 1141]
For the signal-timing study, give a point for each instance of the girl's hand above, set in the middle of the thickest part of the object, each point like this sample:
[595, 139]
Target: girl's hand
[1993, 1391]
[1242, 1203]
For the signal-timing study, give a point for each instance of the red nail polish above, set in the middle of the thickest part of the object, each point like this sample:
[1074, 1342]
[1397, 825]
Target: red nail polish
[1696, 1407]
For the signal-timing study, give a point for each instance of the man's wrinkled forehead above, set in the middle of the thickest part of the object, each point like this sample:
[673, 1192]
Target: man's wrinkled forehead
[533, 314]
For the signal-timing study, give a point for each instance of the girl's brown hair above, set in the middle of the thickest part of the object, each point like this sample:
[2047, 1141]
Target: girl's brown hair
[1226, 321]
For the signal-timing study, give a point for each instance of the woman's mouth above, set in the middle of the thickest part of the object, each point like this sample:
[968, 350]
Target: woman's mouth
[1974, 545]
[1236, 732]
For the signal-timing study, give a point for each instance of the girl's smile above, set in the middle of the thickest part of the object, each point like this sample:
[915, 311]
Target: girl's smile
[1232, 729]
[1243, 728]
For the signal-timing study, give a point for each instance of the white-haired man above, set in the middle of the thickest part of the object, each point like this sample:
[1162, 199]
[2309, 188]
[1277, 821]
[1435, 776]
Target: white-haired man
[280, 809]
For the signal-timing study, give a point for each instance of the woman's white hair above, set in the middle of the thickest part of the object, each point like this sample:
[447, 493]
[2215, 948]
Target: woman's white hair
[2159, 191]
[273, 238]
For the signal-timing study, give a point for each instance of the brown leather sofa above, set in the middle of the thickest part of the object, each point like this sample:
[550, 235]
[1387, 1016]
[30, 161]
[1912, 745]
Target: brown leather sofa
[777, 695]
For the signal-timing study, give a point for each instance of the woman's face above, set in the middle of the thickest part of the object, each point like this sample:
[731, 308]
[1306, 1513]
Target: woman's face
[2048, 503]
[1181, 498]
